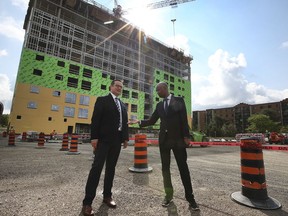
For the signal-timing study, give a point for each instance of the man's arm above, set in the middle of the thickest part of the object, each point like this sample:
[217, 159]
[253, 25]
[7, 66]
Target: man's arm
[96, 118]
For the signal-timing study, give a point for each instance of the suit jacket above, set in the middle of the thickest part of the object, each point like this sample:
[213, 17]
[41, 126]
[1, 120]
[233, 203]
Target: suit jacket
[173, 126]
[105, 120]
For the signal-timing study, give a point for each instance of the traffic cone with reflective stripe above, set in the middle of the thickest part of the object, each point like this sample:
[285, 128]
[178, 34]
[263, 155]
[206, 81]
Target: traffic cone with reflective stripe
[254, 189]
[73, 145]
[41, 141]
[140, 155]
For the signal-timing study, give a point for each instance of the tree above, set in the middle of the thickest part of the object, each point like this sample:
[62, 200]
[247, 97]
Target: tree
[259, 123]
[271, 113]
[228, 130]
[4, 119]
[214, 127]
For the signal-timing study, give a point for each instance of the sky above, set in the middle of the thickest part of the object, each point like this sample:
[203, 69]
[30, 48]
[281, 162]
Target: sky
[239, 48]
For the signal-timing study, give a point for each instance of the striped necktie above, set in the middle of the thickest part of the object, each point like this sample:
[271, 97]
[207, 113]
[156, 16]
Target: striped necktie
[117, 102]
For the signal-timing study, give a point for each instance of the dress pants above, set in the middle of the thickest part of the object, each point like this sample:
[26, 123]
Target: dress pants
[105, 151]
[181, 160]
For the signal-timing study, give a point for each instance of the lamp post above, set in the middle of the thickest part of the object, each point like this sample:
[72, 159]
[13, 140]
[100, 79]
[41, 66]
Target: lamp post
[173, 21]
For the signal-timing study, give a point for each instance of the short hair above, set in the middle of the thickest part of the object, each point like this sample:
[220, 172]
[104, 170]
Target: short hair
[164, 84]
[113, 81]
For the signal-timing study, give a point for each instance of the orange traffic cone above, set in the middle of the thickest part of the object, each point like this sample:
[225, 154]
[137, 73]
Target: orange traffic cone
[254, 189]
[140, 155]
[41, 141]
[65, 141]
[74, 145]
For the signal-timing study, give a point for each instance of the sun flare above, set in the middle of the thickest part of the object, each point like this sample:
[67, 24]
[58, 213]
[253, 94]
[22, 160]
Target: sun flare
[143, 18]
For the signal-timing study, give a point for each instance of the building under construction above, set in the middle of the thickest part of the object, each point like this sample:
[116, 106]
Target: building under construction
[69, 57]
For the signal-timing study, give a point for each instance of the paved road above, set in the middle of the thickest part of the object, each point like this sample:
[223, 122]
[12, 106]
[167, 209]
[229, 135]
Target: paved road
[50, 182]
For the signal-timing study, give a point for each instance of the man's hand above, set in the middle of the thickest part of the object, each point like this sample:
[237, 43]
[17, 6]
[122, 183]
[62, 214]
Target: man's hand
[133, 121]
[187, 141]
[94, 143]
[125, 144]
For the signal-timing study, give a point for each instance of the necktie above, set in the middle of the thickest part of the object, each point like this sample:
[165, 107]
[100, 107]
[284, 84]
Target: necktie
[166, 105]
[119, 109]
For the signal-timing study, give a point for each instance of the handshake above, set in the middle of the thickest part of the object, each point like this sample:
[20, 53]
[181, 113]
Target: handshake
[133, 121]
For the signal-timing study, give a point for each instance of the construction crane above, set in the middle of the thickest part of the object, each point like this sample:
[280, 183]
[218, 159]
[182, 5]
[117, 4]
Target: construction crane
[118, 12]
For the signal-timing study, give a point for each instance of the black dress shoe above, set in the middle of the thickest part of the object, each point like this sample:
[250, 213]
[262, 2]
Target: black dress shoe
[166, 202]
[193, 205]
[109, 202]
[87, 210]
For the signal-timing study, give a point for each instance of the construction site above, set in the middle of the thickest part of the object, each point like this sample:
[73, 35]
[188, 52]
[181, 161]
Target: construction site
[71, 52]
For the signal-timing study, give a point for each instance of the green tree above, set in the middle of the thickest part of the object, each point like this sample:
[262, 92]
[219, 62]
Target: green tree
[284, 129]
[4, 119]
[259, 123]
[214, 127]
[271, 113]
[228, 129]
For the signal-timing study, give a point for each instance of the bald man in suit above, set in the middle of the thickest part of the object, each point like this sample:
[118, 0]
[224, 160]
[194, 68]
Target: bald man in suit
[174, 135]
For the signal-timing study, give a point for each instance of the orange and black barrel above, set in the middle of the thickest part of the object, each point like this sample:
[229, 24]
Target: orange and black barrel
[11, 138]
[140, 155]
[41, 140]
[24, 136]
[254, 188]
[65, 142]
[73, 145]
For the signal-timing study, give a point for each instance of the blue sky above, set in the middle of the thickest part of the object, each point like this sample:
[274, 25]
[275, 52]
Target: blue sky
[240, 48]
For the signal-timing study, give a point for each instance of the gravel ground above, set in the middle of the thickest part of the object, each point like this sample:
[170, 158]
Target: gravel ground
[46, 181]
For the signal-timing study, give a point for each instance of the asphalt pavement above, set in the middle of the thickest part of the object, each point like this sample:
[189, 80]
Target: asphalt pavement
[46, 181]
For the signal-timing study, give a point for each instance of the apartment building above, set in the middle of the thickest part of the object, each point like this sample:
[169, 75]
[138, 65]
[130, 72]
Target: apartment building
[239, 114]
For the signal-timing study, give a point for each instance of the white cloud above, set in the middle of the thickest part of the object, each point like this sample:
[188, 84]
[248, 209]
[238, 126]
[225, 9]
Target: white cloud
[3, 53]
[11, 28]
[284, 45]
[23, 4]
[6, 93]
[227, 86]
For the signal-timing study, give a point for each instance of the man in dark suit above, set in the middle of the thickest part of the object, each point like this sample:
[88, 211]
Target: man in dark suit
[174, 135]
[109, 129]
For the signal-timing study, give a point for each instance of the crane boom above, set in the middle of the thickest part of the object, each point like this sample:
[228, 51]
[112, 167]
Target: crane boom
[165, 3]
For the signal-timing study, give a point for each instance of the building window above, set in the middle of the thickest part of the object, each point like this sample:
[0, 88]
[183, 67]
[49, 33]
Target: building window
[70, 98]
[18, 117]
[32, 105]
[56, 93]
[37, 72]
[74, 69]
[86, 85]
[104, 75]
[125, 94]
[87, 73]
[49, 118]
[72, 82]
[135, 95]
[65, 120]
[171, 87]
[39, 58]
[69, 111]
[34, 89]
[103, 87]
[166, 76]
[59, 77]
[61, 63]
[133, 108]
[171, 79]
[83, 113]
[84, 100]
[55, 107]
